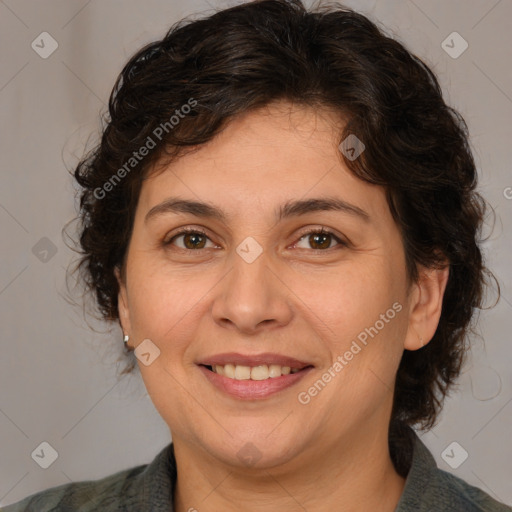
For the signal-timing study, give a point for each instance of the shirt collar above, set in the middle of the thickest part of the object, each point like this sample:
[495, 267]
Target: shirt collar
[422, 472]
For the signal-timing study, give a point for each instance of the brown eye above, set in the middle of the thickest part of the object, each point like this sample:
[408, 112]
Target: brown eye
[192, 240]
[320, 240]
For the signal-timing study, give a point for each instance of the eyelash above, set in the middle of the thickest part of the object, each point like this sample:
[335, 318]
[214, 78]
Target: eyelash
[199, 231]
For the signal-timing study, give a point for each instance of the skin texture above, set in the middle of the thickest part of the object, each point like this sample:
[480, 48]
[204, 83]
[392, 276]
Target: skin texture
[331, 453]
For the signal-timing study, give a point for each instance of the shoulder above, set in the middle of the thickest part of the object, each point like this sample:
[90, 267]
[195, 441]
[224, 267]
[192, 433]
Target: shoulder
[82, 496]
[129, 489]
[429, 488]
[459, 495]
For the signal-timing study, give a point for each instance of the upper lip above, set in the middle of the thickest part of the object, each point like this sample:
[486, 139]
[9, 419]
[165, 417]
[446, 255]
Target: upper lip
[253, 360]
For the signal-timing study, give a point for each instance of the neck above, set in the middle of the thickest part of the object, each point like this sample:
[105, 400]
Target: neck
[355, 475]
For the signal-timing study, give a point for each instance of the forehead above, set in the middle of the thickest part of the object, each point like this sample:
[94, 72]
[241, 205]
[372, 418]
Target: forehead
[263, 159]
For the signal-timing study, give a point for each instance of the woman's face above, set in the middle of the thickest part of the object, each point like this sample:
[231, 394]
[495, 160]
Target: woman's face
[261, 289]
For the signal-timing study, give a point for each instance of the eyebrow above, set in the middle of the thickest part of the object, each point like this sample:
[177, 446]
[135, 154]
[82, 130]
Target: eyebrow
[289, 209]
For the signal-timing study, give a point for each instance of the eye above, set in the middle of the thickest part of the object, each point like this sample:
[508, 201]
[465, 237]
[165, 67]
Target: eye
[193, 239]
[196, 239]
[322, 238]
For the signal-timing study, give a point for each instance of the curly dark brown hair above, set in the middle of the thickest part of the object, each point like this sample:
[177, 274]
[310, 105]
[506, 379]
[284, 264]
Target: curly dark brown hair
[242, 58]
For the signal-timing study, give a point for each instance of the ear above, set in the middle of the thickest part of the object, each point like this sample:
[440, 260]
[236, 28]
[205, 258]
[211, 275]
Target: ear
[425, 306]
[122, 303]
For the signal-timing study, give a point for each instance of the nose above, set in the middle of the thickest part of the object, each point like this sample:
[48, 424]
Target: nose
[252, 297]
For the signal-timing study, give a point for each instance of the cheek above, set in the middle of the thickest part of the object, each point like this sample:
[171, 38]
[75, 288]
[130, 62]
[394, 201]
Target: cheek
[169, 306]
[159, 303]
[365, 313]
[352, 298]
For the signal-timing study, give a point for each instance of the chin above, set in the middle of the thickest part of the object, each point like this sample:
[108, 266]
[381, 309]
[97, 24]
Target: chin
[254, 451]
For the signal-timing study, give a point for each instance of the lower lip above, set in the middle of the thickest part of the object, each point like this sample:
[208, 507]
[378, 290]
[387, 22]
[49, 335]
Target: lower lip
[253, 389]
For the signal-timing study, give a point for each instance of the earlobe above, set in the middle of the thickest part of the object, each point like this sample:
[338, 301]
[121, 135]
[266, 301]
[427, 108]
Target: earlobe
[426, 306]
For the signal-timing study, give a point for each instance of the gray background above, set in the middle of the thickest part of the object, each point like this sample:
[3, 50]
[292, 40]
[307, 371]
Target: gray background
[58, 373]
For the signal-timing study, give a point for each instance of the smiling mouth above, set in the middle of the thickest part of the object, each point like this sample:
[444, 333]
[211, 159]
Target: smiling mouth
[260, 372]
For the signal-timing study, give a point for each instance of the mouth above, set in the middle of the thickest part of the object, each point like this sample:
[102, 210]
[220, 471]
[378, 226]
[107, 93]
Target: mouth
[253, 377]
[260, 372]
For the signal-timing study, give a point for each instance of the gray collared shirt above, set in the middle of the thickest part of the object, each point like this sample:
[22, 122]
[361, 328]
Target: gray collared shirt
[150, 488]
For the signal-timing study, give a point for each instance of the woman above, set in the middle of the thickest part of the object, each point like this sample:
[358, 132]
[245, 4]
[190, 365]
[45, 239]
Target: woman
[282, 216]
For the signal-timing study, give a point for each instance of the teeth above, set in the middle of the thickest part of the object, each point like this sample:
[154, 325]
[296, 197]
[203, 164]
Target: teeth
[262, 372]
[242, 372]
[229, 370]
[274, 370]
